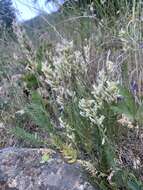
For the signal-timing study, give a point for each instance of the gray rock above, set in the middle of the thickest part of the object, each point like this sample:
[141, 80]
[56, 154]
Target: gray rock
[22, 169]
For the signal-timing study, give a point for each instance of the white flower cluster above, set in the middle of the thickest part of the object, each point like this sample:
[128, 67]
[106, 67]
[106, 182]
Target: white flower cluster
[125, 121]
[90, 109]
[104, 90]
[68, 65]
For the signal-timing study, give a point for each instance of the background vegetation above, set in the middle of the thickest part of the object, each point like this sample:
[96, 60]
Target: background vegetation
[72, 81]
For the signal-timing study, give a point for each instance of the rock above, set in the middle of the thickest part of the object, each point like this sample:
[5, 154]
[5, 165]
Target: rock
[16, 77]
[22, 169]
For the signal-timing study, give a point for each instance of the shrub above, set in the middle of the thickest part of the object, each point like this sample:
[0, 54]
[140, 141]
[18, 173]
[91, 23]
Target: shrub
[80, 119]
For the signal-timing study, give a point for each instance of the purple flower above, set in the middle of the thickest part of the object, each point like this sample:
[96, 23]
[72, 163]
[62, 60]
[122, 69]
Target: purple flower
[134, 87]
[141, 45]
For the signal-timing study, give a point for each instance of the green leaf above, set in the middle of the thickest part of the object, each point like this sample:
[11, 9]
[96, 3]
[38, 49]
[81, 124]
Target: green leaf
[45, 158]
[127, 105]
[36, 98]
[107, 158]
[69, 153]
[39, 116]
[134, 185]
[26, 136]
[31, 81]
